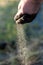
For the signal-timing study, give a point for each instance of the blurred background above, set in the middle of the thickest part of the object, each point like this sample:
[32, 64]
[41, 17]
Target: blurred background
[8, 9]
[33, 30]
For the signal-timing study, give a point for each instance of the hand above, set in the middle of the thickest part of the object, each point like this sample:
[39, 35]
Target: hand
[27, 11]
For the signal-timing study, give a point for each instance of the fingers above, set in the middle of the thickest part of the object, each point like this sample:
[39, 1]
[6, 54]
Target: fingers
[18, 16]
[25, 18]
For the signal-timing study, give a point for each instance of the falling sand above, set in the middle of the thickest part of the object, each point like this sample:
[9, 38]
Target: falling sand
[21, 45]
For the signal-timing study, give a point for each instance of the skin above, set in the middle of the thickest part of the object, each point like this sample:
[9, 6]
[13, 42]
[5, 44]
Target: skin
[28, 6]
